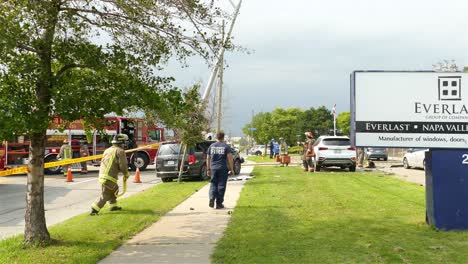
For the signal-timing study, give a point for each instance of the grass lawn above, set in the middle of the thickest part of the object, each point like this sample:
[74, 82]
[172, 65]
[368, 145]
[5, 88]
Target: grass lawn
[260, 159]
[87, 239]
[285, 215]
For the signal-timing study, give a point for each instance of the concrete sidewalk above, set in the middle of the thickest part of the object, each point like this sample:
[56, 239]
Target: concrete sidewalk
[187, 234]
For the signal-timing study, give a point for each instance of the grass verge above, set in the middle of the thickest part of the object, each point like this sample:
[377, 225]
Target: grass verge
[87, 239]
[265, 159]
[285, 215]
[260, 159]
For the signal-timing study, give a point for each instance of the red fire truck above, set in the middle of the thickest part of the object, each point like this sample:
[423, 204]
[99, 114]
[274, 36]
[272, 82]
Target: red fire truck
[140, 133]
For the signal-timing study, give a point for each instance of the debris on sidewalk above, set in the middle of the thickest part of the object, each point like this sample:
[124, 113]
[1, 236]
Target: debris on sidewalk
[241, 178]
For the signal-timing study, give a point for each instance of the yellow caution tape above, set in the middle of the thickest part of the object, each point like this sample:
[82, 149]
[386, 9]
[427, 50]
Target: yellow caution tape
[25, 169]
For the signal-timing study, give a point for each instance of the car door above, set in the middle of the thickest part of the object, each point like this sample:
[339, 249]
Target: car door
[411, 157]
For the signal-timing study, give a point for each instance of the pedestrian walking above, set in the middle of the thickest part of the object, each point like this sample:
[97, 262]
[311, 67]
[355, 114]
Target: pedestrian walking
[219, 157]
[113, 161]
[65, 153]
[309, 153]
[84, 152]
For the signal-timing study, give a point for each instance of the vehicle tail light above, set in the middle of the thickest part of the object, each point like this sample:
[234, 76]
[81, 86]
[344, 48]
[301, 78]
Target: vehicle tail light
[322, 148]
[54, 150]
[351, 148]
[191, 159]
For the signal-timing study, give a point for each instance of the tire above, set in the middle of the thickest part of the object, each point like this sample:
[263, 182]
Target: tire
[258, 153]
[385, 159]
[166, 179]
[141, 161]
[352, 168]
[237, 167]
[406, 164]
[53, 170]
[203, 174]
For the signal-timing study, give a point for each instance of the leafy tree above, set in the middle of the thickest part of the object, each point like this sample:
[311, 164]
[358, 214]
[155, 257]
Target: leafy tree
[263, 128]
[343, 122]
[51, 64]
[285, 124]
[318, 121]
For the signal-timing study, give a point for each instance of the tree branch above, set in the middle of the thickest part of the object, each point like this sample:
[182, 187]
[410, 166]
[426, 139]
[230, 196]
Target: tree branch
[26, 47]
[68, 67]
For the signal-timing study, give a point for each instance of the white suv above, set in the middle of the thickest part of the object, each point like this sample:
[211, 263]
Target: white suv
[334, 151]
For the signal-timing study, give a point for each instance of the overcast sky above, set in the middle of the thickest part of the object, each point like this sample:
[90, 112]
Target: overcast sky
[305, 50]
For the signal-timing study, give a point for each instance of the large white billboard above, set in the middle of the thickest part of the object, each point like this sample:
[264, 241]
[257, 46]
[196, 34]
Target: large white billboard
[409, 109]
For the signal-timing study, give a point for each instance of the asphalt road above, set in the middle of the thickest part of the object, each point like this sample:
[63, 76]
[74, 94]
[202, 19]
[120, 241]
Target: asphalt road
[63, 200]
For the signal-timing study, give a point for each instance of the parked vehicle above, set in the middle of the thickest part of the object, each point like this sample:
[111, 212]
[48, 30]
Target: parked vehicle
[258, 150]
[169, 160]
[334, 151]
[415, 158]
[377, 154]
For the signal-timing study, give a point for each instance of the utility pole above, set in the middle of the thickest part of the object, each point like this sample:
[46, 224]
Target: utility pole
[220, 86]
[220, 56]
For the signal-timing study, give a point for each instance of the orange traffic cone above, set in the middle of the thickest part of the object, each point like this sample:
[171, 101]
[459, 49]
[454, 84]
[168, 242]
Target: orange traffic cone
[137, 176]
[69, 175]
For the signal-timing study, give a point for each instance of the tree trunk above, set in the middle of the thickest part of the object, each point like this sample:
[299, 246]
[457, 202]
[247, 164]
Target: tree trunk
[35, 230]
[35, 225]
[182, 163]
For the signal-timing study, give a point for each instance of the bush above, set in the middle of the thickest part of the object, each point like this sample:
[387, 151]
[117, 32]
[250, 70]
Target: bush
[295, 150]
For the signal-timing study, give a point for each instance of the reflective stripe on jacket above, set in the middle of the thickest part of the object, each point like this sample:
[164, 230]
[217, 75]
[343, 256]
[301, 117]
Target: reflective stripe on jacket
[65, 152]
[113, 161]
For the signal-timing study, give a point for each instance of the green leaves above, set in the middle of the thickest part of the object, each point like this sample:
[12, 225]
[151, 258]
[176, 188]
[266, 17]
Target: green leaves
[290, 124]
[83, 59]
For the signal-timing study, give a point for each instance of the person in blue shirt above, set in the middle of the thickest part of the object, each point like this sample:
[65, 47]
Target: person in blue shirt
[219, 156]
[276, 148]
[272, 147]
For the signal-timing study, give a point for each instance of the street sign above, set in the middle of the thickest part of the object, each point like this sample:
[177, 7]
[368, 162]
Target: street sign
[409, 109]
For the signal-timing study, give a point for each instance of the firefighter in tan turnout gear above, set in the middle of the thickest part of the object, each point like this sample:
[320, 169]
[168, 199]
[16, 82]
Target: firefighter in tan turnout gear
[65, 154]
[113, 161]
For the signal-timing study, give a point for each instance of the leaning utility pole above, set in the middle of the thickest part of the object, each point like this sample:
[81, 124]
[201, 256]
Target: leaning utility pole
[220, 56]
[220, 87]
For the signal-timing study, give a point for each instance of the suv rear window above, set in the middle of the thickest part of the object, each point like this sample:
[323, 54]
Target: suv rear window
[336, 142]
[169, 149]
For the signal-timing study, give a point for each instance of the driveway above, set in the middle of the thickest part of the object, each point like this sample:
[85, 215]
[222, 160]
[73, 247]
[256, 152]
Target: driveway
[395, 168]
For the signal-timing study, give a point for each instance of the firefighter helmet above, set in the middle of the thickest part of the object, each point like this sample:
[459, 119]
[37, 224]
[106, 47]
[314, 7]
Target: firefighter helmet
[119, 139]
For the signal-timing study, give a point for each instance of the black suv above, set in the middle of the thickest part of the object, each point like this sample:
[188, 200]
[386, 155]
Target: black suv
[169, 159]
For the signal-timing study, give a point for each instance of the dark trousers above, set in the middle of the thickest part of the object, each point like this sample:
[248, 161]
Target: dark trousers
[271, 153]
[218, 185]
